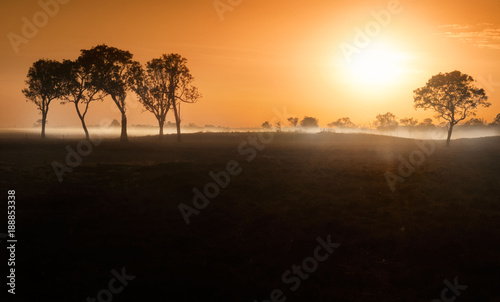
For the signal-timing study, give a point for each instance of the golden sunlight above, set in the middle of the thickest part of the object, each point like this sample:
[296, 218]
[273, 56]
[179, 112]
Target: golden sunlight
[377, 66]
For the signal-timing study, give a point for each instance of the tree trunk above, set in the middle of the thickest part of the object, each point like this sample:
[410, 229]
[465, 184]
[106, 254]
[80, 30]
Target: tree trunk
[450, 130]
[124, 137]
[161, 123]
[44, 120]
[82, 119]
[177, 123]
[178, 131]
[87, 136]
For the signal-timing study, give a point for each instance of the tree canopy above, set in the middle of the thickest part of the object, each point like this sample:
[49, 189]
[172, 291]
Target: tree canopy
[149, 85]
[113, 67]
[452, 96]
[178, 85]
[343, 122]
[386, 121]
[82, 85]
[309, 122]
[45, 83]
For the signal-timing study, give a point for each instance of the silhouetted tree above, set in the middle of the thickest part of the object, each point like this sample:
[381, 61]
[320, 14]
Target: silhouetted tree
[82, 85]
[496, 121]
[408, 122]
[114, 66]
[344, 122]
[115, 123]
[427, 122]
[44, 85]
[278, 127]
[386, 121]
[309, 122]
[149, 85]
[443, 124]
[453, 96]
[169, 124]
[293, 121]
[266, 125]
[475, 122]
[178, 85]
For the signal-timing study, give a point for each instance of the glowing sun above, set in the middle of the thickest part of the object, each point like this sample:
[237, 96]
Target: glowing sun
[377, 66]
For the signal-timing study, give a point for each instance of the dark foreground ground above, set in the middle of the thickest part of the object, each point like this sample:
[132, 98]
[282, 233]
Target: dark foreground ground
[119, 209]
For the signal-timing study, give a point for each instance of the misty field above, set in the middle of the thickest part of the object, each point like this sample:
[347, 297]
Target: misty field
[119, 208]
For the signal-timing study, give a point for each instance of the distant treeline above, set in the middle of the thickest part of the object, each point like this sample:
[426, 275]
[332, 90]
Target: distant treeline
[383, 122]
[453, 97]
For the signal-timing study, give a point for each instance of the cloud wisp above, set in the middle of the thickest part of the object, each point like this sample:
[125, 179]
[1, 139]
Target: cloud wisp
[482, 35]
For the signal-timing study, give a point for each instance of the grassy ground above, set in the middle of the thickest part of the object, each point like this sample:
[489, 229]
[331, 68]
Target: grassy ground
[119, 208]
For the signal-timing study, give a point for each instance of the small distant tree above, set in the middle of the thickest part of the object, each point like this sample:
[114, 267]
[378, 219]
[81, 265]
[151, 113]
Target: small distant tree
[475, 122]
[170, 124]
[496, 121]
[408, 122]
[309, 122]
[386, 121]
[453, 96]
[44, 85]
[343, 122]
[443, 125]
[427, 122]
[266, 125]
[278, 127]
[294, 121]
[115, 123]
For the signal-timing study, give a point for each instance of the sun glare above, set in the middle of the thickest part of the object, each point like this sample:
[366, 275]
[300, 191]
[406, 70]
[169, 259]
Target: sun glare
[378, 66]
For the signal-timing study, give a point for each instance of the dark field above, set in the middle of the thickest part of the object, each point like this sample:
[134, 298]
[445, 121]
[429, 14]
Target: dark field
[119, 208]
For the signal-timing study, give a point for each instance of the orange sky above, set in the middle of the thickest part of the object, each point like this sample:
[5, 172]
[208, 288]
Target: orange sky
[262, 55]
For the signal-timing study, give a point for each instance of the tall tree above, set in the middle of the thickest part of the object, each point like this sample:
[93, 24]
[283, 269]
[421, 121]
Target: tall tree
[113, 66]
[453, 96]
[44, 85]
[82, 85]
[178, 86]
[149, 86]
